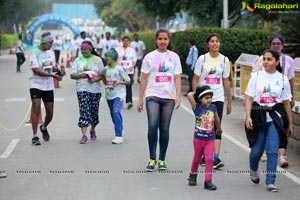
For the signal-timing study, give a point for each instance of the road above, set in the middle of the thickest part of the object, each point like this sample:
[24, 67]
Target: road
[63, 169]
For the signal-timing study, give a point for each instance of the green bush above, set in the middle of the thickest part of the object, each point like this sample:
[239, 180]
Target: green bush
[233, 41]
[7, 41]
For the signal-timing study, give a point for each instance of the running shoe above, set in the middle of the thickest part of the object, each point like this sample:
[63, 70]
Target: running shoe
[283, 163]
[118, 140]
[254, 177]
[129, 105]
[272, 188]
[209, 185]
[84, 139]
[45, 133]
[151, 165]
[36, 141]
[218, 163]
[93, 135]
[162, 165]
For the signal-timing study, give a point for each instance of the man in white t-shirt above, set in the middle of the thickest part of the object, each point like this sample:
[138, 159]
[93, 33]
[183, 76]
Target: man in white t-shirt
[139, 47]
[57, 45]
[19, 50]
[106, 45]
[41, 85]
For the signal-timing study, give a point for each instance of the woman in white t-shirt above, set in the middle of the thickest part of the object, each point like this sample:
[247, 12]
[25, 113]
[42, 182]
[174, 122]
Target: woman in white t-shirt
[268, 116]
[285, 66]
[86, 71]
[161, 80]
[213, 69]
[127, 60]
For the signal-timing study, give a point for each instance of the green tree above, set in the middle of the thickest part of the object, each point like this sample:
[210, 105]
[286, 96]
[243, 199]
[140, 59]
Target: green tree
[15, 12]
[124, 14]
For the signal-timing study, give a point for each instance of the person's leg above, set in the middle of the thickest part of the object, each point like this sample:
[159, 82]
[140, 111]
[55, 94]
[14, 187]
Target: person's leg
[35, 111]
[198, 151]
[166, 111]
[95, 102]
[117, 116]
[48, 99]
[139, 66]
[84, 114]
[23, 59]
[129, 92]
[153, 110]
[208, 153]
[56, 56]
[272, 145]
[190, 78]
[256, 151]
[217, 161]
[19, 59]
[282, 154]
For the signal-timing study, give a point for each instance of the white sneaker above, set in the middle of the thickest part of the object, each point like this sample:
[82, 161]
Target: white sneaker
[118, 140]
[282, 162]
[272, 188]
[2, 174]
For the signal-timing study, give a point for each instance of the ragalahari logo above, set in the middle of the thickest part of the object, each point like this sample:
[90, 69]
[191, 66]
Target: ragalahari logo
[246, 8]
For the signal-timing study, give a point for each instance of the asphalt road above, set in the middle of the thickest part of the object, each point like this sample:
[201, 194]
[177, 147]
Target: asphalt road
[63, 169]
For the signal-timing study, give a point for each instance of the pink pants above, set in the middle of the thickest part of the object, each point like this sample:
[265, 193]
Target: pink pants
[205, 147]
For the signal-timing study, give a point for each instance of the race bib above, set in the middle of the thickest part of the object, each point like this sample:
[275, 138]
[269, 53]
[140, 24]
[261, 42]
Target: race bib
[267, 100]
[111, 82]
[127, 65]
[47, 66]
[210, 81]
[163, 79]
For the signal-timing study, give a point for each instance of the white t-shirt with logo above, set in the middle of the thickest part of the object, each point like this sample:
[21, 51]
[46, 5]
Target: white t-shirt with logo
[126, 58]
[113, 76]
[161, 69]
[45, 62]
[106, 45]
[212, 72]
[87, 65]
[268, 89]
[139, 47]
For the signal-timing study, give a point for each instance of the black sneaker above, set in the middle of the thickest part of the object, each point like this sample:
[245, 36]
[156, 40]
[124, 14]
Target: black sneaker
[129, 105]
[151, 165]
[218, 163]
[46, 135]
[209, 185]
[36, 141]
[202, 162]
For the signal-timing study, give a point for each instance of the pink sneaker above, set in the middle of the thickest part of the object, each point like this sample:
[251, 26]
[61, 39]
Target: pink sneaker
[84, 139]
[93, 135]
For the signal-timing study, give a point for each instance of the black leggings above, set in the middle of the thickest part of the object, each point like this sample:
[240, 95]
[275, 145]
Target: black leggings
[219, 105]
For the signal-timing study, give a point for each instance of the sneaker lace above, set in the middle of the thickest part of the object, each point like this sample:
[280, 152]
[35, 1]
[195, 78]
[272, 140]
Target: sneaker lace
[161, 162]
[151, 162]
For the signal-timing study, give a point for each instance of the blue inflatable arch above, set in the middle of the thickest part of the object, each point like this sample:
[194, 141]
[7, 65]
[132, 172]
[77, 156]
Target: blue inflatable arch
[53, 18]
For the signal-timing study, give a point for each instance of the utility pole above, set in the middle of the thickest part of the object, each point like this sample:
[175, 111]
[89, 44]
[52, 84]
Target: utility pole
[225, 14]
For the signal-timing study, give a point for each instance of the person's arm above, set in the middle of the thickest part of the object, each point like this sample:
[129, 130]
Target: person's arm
[218, 124]
[78, 76]
[227, 90]
[292, 92]
[195, 82]
[287, 108]
[191, 99]
[178, 90]
[143, 84]
[248, 104]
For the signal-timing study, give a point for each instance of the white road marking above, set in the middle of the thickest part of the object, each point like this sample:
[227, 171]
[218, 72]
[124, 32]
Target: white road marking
[57, 99]
[247, 149]
[9, 149]
[15, 100]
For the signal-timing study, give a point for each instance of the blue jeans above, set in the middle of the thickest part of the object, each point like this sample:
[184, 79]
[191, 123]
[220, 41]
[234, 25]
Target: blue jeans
[268, 139]
[115, 106]
[159, 113]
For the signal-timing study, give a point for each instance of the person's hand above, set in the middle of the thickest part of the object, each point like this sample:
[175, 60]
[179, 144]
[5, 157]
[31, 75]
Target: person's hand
[140, 106]
[219, 131]
[57, 77]
[290, 130]
[292, 103]
[177, 102]
[249, 124]
[228, 108]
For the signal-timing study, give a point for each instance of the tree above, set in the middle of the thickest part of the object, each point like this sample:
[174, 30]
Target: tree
[14, 12]
[124, 14]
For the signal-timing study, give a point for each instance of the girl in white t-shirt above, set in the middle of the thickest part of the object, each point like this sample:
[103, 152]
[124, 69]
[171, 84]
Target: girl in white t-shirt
[127, 60]
[213, 69]
[161, 81]
[115, 78]
[268, 116]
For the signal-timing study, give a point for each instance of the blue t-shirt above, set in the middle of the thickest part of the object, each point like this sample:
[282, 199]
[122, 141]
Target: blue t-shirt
[204, 124]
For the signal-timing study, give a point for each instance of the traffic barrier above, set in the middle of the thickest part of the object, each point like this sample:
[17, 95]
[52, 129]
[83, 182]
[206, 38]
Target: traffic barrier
[40, 121]
[62, 66]
[68, 61]
[11, 51]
